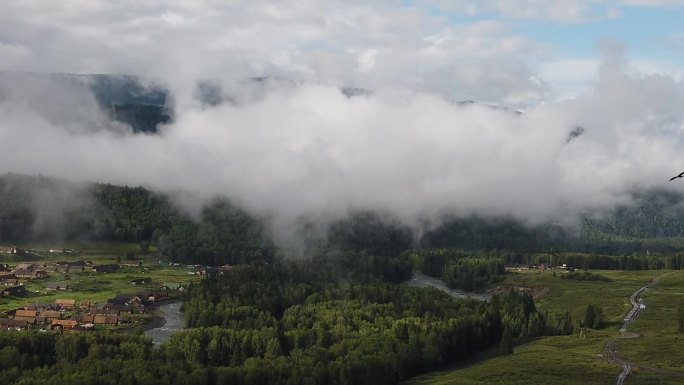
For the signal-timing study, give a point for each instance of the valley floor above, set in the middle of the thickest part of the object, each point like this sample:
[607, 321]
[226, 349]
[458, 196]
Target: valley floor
[655, 353]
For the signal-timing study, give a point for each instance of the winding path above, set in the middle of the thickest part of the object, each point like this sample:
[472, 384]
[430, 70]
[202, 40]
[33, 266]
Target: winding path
[612, 350]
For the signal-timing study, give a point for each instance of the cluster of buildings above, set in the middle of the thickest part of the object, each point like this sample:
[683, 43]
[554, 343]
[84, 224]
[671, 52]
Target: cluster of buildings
[37, 270]
[540, 267]
[66, 315]
[11, 280]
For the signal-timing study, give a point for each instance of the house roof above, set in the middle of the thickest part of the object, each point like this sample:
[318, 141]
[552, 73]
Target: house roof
[65, 322]
[25, 313]
[105, 311]
[105, 319]
[24, 265]
[12, 322]
[60, 301]
[51, 314]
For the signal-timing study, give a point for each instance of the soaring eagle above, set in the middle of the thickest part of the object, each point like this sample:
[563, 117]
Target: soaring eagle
[681, 175]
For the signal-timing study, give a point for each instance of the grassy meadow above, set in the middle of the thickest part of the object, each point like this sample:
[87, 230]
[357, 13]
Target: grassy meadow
[657, 354]
[91, 285]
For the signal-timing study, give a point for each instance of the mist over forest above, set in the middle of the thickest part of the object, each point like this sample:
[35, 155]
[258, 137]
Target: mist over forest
[219, 231]
[357, 192]
[292, 151]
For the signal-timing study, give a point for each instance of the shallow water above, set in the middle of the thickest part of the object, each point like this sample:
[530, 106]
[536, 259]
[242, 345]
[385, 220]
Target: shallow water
[174, 322]
[422, 280]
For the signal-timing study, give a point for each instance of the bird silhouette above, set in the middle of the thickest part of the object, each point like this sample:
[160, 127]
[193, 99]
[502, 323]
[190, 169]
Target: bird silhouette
[681, 175]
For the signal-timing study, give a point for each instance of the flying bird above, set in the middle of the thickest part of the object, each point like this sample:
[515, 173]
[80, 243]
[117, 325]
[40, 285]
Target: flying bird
[681, 175]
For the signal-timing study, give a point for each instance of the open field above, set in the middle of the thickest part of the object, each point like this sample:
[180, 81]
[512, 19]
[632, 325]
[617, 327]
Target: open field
[97, 287]
[93, 250]
[574, 360]
[660, 345]
[574, 296]
[552, 360]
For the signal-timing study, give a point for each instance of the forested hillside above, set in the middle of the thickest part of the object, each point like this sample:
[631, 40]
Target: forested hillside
[41, 208]
[654, 222]
[287, 322]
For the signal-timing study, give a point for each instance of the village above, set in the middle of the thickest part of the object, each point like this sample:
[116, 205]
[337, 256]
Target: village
[78, 295]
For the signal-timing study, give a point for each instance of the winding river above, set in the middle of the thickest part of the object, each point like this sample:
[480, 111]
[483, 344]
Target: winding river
[172, 321]
[422, 280]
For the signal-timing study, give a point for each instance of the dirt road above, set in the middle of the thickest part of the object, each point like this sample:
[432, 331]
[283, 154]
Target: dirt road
[612, 350]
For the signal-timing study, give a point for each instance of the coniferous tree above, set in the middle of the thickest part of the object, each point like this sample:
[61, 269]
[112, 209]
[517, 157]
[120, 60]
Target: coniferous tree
[506, 342]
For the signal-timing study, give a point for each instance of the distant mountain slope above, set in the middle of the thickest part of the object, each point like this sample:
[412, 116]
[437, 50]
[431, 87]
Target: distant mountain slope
[124, 98]
[144, 105]
[39, 208]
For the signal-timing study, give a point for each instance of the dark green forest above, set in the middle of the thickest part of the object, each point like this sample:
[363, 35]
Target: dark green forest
[42, 208]
[287, 322]
[335, 314]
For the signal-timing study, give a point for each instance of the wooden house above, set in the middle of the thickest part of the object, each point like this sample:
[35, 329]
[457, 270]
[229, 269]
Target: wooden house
[51, 315]
[102, 319]
[57, 286]
[67, 304]
[23, 273]
[7, 323]
[29, 320]
[105, 311]
[25, 266]
[9, 280]
[64, 325]
[26, 313]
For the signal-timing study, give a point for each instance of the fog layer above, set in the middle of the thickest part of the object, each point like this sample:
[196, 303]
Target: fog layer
[292, 150]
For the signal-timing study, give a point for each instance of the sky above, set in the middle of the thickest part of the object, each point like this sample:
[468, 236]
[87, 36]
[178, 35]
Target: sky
[298, 146]
[499, 51]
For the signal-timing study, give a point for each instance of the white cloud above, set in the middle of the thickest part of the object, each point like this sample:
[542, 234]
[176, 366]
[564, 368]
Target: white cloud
[304, 149]
[302, 146]
[569, 78]
[308, 41]
[14, 56]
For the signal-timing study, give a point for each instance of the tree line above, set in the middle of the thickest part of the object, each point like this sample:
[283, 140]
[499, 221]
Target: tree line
[42, 208]
[286, 322]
